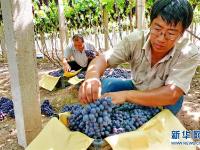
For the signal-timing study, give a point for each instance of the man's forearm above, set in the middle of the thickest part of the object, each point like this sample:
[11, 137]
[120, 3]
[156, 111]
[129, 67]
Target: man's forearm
[166, 95]
[97, 67]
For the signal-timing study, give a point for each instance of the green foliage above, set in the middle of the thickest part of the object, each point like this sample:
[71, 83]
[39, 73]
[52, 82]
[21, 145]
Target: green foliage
[148, 6]
[84, 14]
[196, 7]
[88, 13]
[45, 17]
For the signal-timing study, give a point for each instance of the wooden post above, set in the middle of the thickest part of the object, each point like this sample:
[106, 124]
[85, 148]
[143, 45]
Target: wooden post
[140, 14]
[105, 28]
[19, 36]
[62, 27]
[2, 42]
[131, 15]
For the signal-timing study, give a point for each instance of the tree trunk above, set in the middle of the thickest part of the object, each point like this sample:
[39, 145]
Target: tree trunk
[95, 36]
[19, 37]
[131, 16]
[43, 42]
[195, 30]
[62, 27]
[2, 42]
[140, 14]
[105, 28]
[131, 20]
[191, 29]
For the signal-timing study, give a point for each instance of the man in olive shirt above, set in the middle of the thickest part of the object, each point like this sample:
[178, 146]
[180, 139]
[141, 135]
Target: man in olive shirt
[162, 62]
[76, 49]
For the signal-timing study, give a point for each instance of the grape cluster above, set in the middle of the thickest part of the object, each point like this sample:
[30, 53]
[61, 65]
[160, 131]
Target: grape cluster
[90, 53]
[81, 75]
[117, 73]
[6, 108]
[94, 119]
[46, 108]
[103, 118]
[57, 73]
[71, 108]
[129, 117]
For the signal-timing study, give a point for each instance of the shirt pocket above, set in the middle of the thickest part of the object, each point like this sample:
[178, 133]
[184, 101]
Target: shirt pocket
[138, 80]
[156, 82]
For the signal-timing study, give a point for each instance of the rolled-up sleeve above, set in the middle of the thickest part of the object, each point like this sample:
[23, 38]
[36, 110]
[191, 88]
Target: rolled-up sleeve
[68, 51]
[183, 70]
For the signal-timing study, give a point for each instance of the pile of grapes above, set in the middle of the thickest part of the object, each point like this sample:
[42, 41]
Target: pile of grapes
[81, 75]
[90, 53]
[111, 73]
[57, 73]
[103, 118]
[117, 73]
[46, 108]
[6, 108]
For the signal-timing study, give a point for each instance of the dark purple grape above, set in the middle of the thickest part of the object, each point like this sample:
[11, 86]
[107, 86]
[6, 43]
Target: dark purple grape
[117, 73]
[46, 108]
[6, 105]
[6, 108]
[81, 75]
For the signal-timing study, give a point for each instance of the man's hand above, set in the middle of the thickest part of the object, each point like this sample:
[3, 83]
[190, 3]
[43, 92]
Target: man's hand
[90, 90]
[66, 66]
[117, 97]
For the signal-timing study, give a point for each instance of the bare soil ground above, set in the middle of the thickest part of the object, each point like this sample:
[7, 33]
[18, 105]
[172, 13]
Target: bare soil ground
[189, 114]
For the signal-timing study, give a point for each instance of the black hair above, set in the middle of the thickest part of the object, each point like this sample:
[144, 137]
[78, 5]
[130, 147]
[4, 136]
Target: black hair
[173, 12]
[78, 36]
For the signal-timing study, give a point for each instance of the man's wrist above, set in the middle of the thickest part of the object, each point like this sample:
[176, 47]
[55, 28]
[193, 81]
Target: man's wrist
[129, 95]
[92, 74]
[64, 60]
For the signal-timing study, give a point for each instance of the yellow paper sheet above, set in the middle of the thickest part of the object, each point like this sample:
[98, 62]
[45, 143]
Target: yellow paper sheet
[48, 82]
[71, 74]
[74, 80]
[55, 136]
[154, 135]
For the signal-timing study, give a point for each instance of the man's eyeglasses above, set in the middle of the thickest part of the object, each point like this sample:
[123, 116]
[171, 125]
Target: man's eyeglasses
[167, 35]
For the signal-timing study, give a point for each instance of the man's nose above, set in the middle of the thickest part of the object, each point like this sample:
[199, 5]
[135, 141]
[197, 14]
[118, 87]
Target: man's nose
[161, 37]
